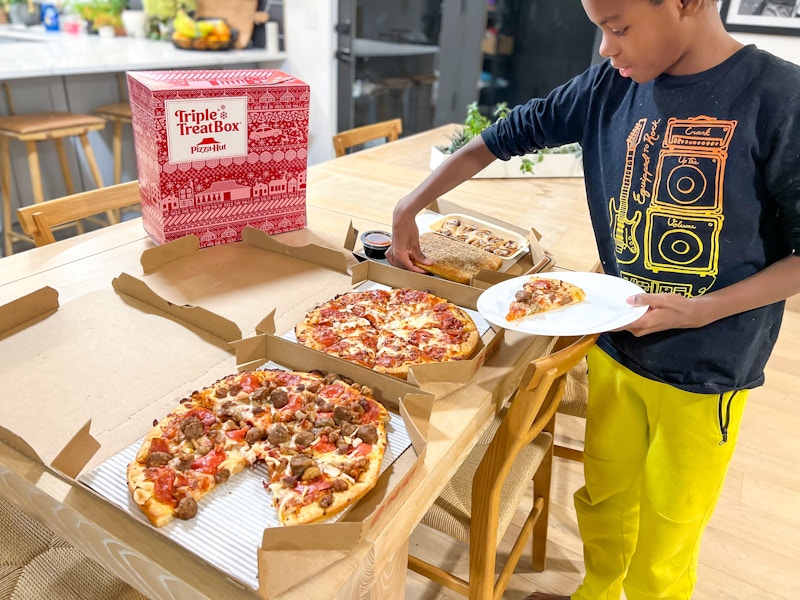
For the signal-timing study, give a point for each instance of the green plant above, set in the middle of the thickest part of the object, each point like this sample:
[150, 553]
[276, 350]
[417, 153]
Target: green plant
[99, 13]
[477, 122]
[165, 10]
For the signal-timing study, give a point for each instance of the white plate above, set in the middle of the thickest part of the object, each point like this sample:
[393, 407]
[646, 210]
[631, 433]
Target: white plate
[605, 307]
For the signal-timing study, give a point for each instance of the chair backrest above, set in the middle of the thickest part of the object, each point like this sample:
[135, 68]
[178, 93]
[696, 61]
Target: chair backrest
[37, 220]
[390, 130]
[530, 412]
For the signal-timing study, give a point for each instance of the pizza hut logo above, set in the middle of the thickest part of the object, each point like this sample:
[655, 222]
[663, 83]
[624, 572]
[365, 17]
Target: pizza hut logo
[206, 128]
[207, 145]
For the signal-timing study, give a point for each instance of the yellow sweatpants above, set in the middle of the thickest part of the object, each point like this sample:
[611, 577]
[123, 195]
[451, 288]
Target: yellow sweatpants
[655, 461]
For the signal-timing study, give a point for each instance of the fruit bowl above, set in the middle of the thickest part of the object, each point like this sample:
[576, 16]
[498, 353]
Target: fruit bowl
[203, 34]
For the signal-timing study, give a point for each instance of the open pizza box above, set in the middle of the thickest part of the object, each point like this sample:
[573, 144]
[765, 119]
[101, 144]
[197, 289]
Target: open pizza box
[124, 380]
[269, 287]
[96, 362]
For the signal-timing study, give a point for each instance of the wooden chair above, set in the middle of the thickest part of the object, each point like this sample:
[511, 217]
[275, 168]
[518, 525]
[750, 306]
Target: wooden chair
[478, 503]
[38, 220]
[576, 398]
[344, 140]
[32, 128]
[575, 404]
[118, 113]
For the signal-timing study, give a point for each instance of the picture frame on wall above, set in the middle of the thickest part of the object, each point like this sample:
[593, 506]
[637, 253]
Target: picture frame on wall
[776, 17]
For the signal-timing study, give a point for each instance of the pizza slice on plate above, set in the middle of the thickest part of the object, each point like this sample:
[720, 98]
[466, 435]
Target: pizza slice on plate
[542, 294]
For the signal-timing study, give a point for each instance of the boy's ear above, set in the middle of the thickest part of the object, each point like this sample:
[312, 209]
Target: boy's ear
[690, 7]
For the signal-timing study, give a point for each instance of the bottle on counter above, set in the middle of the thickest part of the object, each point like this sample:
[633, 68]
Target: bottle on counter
[50, 17]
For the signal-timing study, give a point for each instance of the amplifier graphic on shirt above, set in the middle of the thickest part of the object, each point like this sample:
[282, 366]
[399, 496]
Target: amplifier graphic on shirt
[684, 219]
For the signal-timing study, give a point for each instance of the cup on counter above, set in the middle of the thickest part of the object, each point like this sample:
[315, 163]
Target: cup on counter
[73, 24]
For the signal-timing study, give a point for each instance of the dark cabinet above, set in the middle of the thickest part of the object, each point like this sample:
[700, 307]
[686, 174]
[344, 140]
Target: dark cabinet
[531, 47]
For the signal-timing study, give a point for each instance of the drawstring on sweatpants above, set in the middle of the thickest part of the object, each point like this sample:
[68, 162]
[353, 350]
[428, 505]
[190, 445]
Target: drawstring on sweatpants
[723, 424]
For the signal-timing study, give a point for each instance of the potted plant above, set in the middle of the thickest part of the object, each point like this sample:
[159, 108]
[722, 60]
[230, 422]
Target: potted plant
[564, 161]
[161, 12]
[22, 12]
[102, 16]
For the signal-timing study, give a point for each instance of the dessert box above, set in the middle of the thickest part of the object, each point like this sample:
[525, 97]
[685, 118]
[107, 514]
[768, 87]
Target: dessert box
[219, 150]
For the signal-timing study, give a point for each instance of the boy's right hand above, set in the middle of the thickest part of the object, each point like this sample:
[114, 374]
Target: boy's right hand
[405, 245]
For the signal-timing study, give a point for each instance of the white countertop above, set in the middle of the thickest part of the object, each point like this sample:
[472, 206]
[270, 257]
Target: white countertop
[365, 47]
[32, 52]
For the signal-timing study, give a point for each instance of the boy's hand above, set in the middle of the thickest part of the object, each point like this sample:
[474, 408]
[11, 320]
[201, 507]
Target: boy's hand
[405, 247]
[665, 311]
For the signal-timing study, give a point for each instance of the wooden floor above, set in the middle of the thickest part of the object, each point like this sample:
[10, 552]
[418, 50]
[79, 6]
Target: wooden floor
[751, 549]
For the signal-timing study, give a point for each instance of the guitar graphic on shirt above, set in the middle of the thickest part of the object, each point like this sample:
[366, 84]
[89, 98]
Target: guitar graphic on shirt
[624, 228]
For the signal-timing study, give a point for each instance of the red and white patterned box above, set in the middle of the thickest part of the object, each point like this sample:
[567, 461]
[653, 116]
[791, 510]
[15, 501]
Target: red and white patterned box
[218, 150]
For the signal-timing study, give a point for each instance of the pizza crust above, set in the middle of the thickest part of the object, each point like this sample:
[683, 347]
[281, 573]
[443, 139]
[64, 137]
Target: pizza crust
[269, 415]
[543, 294]
[388, 331]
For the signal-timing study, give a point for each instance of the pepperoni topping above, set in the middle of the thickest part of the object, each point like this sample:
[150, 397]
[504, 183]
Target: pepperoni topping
[159, 444]
[250, 382]
[323, 446]
[210, 462]
[163, 479]
[362, 449]
[237, 435]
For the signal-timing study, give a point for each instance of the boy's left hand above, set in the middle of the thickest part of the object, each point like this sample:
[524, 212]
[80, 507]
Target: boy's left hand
[665, 311]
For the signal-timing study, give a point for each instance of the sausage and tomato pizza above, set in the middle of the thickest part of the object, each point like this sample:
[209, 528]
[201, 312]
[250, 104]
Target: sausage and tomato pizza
[389, 330]
[541, 294]
[322, 438]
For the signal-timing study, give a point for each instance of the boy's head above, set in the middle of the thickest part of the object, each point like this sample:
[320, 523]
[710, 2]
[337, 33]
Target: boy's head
[645, 38]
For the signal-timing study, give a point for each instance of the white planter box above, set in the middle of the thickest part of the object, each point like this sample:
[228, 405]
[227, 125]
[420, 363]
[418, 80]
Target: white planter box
[551, 165]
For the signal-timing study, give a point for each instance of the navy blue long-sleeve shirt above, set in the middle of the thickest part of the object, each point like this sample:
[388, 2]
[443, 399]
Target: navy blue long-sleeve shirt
[693, 184]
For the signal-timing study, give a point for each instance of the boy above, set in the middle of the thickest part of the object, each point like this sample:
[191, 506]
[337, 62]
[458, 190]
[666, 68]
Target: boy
[693, 182]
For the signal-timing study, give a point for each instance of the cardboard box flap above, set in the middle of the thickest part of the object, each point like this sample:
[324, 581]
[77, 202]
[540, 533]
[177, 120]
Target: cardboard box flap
[260, 284]
[416, 413]
[77, 453]
[534, 261]
[35, 306]
[338, 260]
[254, 351]
[155, 258]
[217, 326]
[445, 207]
[106, 363]
[284, 563]
[457, 293]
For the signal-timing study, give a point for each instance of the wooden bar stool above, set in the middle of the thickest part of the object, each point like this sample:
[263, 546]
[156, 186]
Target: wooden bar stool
[117, 113]
[33, 128]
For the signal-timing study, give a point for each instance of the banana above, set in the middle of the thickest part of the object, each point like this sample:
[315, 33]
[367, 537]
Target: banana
[206, 27]
[185, 25]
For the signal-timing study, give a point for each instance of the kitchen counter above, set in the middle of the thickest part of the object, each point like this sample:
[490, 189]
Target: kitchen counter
[32, 52]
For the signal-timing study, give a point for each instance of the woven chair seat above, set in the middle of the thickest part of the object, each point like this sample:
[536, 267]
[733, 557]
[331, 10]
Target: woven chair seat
[48, 121]
[36, 563]
[450, 513]
[576, 391]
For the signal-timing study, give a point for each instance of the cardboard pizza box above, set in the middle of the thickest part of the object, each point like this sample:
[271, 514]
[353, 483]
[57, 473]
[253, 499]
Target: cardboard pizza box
[266, 286]
[533, 259]
[94, 377]
[218, 150]
[122, 380]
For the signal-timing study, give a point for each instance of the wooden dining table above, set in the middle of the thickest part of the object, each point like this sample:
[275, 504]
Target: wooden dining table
[359, 189]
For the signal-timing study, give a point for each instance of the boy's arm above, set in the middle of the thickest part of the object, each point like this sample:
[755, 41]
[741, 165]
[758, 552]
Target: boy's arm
[465, 163]
[673, 311]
